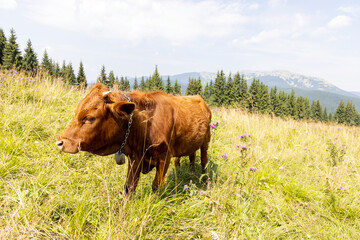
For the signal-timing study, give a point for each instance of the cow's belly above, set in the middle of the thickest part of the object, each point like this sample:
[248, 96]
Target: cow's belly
[187, 147]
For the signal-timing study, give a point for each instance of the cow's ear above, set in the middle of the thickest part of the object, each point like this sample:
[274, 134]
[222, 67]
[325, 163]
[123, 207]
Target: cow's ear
[121, 108]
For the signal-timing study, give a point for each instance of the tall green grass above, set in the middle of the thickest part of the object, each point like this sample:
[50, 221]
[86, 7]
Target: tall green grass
[307, 185]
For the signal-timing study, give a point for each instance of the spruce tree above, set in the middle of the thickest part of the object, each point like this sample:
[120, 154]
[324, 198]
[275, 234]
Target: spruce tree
[235, 90]
[102, 78]
[254, 96]
[81, 78]
[142, 84]
[228, 98]
[292, 108]
[316, 111]
[156, 82]
[206, 94]
[2, 45]
[63, 70]
[190, 89]
[111, 79]
[126, 84]
[325, 117]
[244, 93]
[70, 75]
[46, 64]
[57, 70]
[301, 108]
[148, 84]
[340, 113]
[274, 101]
[307, 108]
[177, 88]
[264, 98]
[122, 84]
[168, 88]
[30, 62]
[350, 114]
[219, 88]
[283, 108]
[136, 86]
[11, 53]
[198, 87]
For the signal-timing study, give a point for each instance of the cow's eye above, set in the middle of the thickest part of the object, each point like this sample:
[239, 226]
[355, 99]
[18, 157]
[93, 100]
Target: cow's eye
[89, 119]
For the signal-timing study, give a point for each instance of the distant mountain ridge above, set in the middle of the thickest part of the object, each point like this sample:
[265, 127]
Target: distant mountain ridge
[280, 79]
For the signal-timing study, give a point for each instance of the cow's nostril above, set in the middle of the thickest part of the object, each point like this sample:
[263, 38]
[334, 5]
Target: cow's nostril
[60, 144]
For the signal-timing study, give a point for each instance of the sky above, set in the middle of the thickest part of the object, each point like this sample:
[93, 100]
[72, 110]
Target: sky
[319, 38]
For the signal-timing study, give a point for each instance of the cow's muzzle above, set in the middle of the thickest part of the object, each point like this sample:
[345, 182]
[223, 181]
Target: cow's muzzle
[60, 145]
[67, 145]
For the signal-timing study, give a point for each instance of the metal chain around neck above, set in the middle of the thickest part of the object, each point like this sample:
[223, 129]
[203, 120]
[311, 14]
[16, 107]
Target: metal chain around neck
[128, 128]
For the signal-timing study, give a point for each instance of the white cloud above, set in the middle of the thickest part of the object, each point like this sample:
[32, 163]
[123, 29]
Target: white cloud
[277, 3]
[8, 4]
[254, 6]
[339, 22]
[134, 20]
[266, 35]
[350, 9]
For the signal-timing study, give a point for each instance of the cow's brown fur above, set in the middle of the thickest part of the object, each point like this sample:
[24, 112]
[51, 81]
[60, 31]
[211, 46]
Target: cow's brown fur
[164, 126]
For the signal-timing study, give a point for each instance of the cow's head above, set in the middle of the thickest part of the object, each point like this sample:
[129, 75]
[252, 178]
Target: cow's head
[99, 124]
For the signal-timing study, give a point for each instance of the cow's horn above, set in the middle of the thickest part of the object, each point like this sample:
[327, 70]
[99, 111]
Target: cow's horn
[106, 93]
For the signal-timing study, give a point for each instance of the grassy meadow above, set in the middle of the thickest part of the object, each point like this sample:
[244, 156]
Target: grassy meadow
[304, 181]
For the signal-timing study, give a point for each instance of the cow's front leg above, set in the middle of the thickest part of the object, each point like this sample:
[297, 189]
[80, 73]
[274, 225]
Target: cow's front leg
[161, 169]
[133, 175]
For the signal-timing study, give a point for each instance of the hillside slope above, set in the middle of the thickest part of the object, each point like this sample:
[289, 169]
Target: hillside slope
[279, 180]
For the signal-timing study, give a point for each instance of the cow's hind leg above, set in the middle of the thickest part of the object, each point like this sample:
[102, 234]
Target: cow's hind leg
[177, 161]
[204, 157]
[192, 161]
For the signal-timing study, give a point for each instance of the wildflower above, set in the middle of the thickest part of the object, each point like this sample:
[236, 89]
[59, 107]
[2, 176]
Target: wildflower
[202, 192]
[214, 124]
[341, 187]
[224, 156]
[254, 169]
[186, 187]
[242, 147]
[36, 90]
[245, 135]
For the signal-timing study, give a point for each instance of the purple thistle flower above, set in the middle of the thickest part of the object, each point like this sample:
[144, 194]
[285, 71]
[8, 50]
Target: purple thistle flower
[341, 187]
[186, 187]
[224, 156]
[214, 124]
[254, 169]
[242, 147]
[202, 192]
[245, 135]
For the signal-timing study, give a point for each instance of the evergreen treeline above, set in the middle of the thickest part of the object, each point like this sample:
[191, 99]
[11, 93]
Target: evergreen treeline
[12, 58]
[256, 97]
[152, 83]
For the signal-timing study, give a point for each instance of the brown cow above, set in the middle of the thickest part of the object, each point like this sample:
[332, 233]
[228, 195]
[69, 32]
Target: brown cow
[163, 126]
